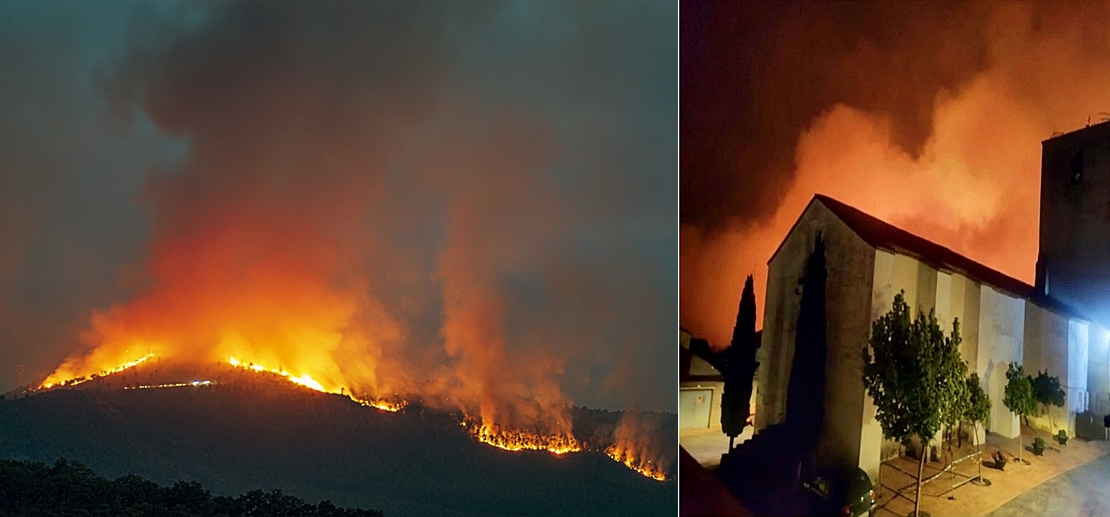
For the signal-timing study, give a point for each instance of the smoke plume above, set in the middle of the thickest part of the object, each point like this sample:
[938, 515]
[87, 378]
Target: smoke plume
[930, 119]
[377, 198]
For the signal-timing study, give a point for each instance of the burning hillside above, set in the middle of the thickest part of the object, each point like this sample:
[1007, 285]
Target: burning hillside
[358, 207]
[247, 429]
[639, 441]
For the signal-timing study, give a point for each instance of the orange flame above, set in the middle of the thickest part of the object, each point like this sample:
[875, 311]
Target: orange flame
[307, 381]
[637, 444]
[56, 379]
[518, 440]
[639, 464]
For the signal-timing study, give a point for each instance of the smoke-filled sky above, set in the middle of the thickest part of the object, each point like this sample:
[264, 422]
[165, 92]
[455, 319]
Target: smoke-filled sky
[928, 115]
[471, 199]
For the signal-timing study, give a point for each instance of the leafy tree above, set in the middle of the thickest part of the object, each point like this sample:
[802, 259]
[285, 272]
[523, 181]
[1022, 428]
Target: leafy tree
[1047, 391]
[960, 404]
[1019, 397]
[978, 409]
[915, 376]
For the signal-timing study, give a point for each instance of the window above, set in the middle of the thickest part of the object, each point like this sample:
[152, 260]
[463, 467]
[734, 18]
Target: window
[1077, 168]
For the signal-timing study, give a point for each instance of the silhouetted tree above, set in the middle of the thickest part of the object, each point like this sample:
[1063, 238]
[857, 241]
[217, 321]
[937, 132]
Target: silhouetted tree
[914, 375]
[805, 393]
[69, 488]
[737, 365]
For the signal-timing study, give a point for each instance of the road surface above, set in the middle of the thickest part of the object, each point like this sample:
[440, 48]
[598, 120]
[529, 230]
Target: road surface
[1080, 492]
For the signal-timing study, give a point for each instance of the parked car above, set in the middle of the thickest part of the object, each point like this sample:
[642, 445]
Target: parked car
[846, 493]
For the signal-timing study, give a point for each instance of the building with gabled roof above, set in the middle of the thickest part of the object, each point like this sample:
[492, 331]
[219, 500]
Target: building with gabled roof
[1002, 320]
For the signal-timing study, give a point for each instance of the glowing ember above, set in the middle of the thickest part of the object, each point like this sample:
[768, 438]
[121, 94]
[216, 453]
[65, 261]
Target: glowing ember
[645, 467]
[178, 385]
[78, 380]
[382, 404]
[518, 440]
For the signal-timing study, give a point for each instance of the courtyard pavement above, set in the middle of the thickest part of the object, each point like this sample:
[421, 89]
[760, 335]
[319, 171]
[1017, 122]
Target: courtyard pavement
[707, 445]
[1061, 474]
[1077, 492]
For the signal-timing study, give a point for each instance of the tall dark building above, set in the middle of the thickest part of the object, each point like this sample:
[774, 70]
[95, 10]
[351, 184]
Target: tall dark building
[1073, 263]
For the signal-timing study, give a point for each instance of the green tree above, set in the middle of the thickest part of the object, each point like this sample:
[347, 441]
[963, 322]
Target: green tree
[1019, 397]
[978, 409]
[1047, 392]
[914, 375]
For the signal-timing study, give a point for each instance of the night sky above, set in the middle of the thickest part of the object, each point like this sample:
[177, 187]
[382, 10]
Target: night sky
[926, 115]
[480, 194]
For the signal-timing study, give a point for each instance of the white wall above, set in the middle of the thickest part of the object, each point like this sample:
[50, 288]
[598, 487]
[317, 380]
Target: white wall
[1049, 346]
[1098, 368]
[871, 433]
[1078, 367]
[1001, 341]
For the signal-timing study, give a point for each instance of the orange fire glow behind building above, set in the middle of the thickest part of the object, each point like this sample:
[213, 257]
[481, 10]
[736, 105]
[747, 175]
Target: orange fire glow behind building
[970, 182]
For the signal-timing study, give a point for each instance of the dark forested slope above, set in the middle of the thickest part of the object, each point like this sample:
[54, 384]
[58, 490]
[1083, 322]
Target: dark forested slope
[237, 438]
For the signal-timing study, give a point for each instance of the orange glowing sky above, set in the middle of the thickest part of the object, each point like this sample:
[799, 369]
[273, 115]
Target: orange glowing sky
[969, 177]
[439, 201]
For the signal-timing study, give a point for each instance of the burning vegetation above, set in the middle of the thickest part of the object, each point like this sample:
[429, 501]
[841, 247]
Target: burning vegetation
[633, 442]
[519, 440]
[629, 459]
[58, 378]
[488, 433]
[635, 446]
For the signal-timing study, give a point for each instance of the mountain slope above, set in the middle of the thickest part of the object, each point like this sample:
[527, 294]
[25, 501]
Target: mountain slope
[233, 438]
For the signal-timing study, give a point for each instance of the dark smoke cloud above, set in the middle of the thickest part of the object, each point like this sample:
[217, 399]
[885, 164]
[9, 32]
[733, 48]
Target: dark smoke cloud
[68, 172]
[755, 74]
[927, 115]
[465, 198]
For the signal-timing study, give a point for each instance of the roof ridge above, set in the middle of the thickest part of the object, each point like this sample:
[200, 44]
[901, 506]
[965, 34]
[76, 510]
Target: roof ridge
[883, 235]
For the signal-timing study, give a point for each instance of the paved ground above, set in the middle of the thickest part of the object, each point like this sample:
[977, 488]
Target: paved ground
[1050, 475]
[707, 445]
[1077, 492]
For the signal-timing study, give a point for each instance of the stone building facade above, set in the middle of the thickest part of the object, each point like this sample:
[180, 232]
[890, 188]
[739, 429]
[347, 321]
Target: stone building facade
[1002, 320]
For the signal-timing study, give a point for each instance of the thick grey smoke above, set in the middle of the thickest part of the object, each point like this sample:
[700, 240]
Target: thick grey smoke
[457, 200]
[929, 116]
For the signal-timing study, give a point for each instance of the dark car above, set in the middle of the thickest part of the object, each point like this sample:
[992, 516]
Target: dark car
[845, 493]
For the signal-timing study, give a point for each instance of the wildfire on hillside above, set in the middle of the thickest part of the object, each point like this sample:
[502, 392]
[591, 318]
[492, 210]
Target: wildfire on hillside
[518, 440]
[174, 385]
[307, 381]
[59, 379]
[304, 379]
[630, 459]
[634, 447]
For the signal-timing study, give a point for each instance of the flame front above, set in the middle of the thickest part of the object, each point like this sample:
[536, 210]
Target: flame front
[632, 461]
[304, 379]
[57, 378]
[518, 440]
[307, 381]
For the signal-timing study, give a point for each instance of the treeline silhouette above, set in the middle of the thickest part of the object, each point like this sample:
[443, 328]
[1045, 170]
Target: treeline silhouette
[68, 488]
